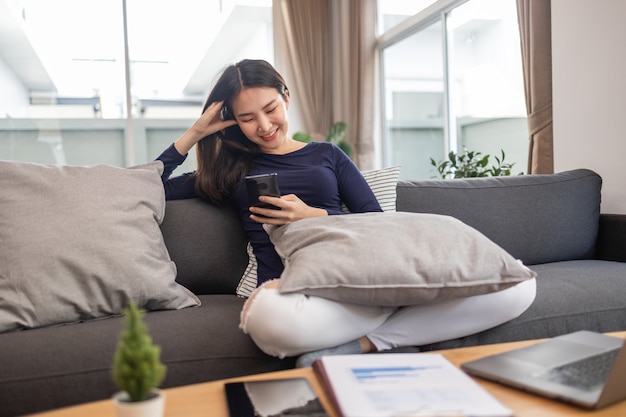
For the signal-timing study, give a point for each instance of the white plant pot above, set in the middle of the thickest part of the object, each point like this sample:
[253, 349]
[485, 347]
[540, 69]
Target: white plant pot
[153, 407]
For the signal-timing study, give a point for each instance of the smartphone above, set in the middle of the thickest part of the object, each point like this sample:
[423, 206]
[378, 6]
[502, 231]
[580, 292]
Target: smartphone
[264, 184]
[225, 114]
[273, 398]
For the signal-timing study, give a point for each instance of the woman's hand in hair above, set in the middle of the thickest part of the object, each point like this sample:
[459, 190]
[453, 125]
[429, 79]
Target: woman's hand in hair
[206, 125]
[291, 210]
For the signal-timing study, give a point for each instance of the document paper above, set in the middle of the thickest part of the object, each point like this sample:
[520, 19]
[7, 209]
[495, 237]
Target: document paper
[399, 385]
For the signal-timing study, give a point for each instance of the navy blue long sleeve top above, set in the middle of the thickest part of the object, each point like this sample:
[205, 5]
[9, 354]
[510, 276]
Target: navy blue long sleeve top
[320, 174]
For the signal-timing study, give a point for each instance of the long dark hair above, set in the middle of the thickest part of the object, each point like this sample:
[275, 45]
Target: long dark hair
[226, 156]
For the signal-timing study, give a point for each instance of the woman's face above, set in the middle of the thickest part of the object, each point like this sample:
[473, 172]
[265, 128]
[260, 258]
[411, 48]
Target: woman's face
[261, 113]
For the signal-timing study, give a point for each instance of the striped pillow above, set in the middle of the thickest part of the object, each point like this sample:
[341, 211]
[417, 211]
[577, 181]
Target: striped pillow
[383, 184]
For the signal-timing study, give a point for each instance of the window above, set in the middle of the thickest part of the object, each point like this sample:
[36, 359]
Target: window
[65, 68]
[452, 80]
[394, 12]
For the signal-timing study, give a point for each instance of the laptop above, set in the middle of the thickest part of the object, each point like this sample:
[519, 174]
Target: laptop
[583, 368]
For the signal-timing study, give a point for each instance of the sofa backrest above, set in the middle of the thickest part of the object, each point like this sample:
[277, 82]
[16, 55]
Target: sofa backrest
[207, 244]
[536, 218]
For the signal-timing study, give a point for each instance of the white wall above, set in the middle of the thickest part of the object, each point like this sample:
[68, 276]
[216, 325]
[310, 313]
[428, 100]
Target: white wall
[589, 92]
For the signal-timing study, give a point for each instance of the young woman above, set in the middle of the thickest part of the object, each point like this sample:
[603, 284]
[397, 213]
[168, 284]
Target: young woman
[243, 131]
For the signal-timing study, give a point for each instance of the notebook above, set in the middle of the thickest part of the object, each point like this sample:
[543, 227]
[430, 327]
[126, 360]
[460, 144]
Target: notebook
[583, 368]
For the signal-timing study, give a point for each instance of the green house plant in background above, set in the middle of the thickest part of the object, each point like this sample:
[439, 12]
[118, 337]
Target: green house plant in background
[137, 369]
[336, 134]
[471, 164]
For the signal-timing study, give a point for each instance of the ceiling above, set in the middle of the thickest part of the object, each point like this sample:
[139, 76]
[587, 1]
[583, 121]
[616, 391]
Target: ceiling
[17, 51]
[239, 31]
[239, 37]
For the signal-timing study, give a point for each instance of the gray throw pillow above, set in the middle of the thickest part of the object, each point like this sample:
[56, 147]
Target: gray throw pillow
[392, 259]
[78, 243]
[383, 183]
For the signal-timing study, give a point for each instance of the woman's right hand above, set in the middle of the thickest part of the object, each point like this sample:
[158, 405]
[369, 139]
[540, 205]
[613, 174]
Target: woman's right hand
[206, 125]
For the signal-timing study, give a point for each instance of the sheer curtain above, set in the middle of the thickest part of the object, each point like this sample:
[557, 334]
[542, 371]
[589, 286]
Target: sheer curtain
[329, 49]
[354, 72]
[535, 35]
[307, 30]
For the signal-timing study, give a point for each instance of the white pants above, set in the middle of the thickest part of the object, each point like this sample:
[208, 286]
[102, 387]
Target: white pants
[291, 324]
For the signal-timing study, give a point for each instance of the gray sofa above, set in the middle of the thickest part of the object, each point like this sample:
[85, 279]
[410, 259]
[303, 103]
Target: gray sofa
[551, 222]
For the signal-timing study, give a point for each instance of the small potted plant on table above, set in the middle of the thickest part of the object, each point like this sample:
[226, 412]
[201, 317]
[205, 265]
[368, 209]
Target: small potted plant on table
[137, 369]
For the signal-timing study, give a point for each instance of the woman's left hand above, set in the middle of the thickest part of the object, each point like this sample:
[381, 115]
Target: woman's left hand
[291, 209]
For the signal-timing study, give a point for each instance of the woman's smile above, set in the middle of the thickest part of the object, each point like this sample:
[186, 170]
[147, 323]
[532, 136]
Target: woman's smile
[270, 136]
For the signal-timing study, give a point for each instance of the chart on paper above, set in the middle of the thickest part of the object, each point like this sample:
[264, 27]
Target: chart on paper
[391, 385]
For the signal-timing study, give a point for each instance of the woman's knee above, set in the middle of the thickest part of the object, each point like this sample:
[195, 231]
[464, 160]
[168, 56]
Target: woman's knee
[274, 283]
[270, 322]
[518, 298]
[290, 324]
[503, 305]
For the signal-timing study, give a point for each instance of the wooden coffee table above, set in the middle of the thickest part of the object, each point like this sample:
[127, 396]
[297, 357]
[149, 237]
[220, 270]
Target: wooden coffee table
[208, 400]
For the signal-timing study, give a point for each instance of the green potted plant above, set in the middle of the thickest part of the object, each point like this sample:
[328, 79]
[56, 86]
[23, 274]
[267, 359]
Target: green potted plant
[335, 135]
[471, 164]
[137, 369]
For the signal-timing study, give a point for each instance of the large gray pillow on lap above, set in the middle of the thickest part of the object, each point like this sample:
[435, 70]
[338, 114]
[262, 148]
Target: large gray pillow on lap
[78, 243]
[392, 259]
[383, 183]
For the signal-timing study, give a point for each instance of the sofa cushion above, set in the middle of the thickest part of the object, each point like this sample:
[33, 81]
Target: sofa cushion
[571, 296]
[536, 218]
[207, 243]
[77, 243]
[383, 183]
[391, 259]
[40, 370]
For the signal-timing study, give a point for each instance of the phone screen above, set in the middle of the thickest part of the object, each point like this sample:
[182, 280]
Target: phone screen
[264, 184]
[273, 398]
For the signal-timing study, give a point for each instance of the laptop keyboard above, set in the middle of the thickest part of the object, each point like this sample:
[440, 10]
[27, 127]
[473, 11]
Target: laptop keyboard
[587, 374]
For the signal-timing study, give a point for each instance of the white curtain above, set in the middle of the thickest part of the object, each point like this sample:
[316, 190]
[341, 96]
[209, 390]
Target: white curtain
[328, 48]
